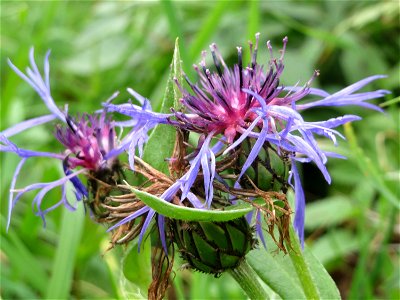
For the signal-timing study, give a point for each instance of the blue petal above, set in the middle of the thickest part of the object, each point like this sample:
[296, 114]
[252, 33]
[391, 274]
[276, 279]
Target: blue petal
[146, 224]
[131, 217]
[11, 147]
[80, 189]
[255, 150]
[345, 97]
[259, 229]
[12, 186]
[244, 135]
[42, 87]
[161, 230]
[300, 204]
[26, 125]
[44, 188]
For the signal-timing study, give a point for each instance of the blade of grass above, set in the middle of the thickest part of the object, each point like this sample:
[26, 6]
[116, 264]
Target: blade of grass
[253, 23]
[390, 102]
[64, 261]
[207, 29]
[254, 18]
[360, 283]
[20, 257]
[388, 223]
[175, 26]
[369, 169]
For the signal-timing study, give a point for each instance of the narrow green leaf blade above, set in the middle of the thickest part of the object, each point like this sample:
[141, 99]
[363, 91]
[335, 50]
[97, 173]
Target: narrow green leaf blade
[369, 168]
[192, 214]
[19, 256]
[64, 262]
[162, 139]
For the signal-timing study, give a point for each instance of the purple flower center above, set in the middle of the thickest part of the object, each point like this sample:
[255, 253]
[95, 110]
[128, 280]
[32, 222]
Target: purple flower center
[222, 104]
[88, 139]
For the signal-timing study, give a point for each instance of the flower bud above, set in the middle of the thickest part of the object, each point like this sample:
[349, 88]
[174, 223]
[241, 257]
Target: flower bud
[213, 247]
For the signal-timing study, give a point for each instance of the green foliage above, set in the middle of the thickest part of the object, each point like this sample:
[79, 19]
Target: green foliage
[99, 47]
[298, 275]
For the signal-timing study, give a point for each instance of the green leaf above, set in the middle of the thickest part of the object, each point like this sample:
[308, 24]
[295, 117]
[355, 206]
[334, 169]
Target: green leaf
[269, 268]
[298, 275]
[134, 261]
[305, 270]
[162, 139]
[324, 283]
[192, 214]
[130, 290]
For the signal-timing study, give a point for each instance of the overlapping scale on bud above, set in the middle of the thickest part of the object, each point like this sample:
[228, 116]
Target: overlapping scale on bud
[269, 171]
[213, 247]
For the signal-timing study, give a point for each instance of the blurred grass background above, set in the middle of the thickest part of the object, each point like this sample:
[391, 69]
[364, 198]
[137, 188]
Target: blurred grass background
[99, 47]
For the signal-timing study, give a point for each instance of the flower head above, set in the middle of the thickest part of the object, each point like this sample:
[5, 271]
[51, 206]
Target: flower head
[238, 103]
[88, 140]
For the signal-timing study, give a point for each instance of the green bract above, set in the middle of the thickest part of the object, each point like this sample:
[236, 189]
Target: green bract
[192, 214]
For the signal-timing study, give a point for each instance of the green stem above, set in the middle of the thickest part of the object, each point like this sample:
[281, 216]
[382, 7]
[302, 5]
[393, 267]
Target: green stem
[300, 265]
[248, 281]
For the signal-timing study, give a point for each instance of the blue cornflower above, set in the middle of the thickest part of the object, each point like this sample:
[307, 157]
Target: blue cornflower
[240, 103]
[87, 139]
[234, 104]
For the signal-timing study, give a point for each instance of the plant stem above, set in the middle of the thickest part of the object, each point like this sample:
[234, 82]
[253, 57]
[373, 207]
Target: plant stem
[300, 265]
[248, 281]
